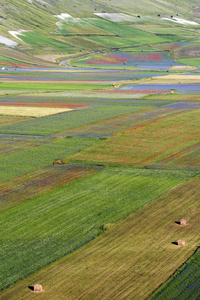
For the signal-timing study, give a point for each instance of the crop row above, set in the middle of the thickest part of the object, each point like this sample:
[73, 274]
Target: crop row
[129, 261]
[54, 223]
[12, 143]
[147, 143]
[119, 124]
[184, 284]
[20, 189]
[43, 104]
[186, 158]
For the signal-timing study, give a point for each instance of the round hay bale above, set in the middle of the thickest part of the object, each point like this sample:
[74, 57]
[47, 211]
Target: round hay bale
[181, 243]
[183, 222]
[38, 288]
[57, 162]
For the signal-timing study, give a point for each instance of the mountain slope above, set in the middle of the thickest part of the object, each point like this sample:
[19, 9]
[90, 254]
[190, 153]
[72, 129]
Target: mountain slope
[39, 14]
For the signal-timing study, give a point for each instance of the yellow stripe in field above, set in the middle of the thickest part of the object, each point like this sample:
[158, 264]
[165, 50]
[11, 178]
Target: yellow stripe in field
[30, 111]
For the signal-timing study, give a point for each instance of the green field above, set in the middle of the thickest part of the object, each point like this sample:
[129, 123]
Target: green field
[20, 162]
[120, 262]
[24, 86]
[69, 120]
[80, 209]
[184, 283]
[91, 199]
[6, 61]
[145, 144]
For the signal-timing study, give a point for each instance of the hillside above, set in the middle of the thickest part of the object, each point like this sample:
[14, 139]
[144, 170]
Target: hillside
[99, 149]
[39, 14]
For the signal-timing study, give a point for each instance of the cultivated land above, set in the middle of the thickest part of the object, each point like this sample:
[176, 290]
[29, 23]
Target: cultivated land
[119, 263]
[99, 149]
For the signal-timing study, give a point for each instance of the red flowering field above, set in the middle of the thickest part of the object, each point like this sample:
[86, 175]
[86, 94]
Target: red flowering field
[113, 126]
[188, 158]
[146, 144]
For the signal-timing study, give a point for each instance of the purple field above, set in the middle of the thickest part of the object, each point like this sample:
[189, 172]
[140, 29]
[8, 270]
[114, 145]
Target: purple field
[111, 127]
[162, 88]
[13, 143]
[141, 60]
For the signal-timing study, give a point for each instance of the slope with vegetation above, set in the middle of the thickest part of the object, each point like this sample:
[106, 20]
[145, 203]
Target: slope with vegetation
[110, 157]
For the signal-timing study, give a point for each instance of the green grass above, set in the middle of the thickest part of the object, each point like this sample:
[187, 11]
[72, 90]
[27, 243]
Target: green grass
[173, 97]
[6, 61]
[36, 39]
[184, 284]
[65, 121]
[83, 43]
[144, 38]
[144, 145]
[81, 26]
[171, 30]
[114, 42]
[22, 162]
[189, 61]
[29, 86]
[48, 227]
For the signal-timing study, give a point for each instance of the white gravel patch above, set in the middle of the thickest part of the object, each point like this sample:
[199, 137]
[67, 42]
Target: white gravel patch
[7, 42]
[18, 32]
[116, 17]
[63, 16]
[181, 21]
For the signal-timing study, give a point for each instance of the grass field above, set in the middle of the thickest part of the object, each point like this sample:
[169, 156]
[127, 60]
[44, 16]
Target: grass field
[6, 61]
[186, 158]
[28, 186]
[22, 157]
[128, 260]
[148, 143]
[173, 97]
[119, 124]
[94, 182]
[80, 209]
[184, 283]
[41, 86]
[66, 121]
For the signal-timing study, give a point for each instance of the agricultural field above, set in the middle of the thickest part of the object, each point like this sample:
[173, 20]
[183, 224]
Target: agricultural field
[139, 60]
[24, 154]
[183, 283]
[146, 143]
[80, 209]
[186, 158]
[4, 120]
[99, 149]
[24, 111]
[137, 245]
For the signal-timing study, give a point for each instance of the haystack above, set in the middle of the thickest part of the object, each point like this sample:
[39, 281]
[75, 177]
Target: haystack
[183, 222]
[38, 288]
[57, 162]
[181, 243]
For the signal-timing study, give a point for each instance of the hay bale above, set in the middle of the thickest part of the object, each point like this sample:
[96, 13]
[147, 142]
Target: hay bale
[183, 222]
[181, 243]
[57, 162]
[38, 288]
